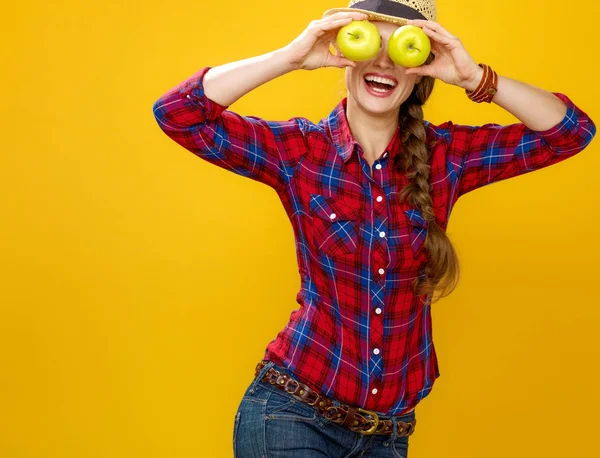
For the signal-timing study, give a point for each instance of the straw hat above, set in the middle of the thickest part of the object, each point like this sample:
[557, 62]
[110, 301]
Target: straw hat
[394, 11]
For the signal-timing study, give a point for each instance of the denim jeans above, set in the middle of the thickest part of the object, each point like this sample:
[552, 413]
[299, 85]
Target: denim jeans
[272, 423]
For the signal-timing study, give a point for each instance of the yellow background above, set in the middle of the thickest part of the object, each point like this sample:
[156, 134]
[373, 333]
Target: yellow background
[135, 274]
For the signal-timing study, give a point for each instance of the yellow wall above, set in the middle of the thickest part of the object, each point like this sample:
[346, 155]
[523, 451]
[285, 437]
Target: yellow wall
[131, 268]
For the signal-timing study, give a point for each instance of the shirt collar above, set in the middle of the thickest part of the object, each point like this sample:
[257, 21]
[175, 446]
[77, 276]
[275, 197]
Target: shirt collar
[340, 132]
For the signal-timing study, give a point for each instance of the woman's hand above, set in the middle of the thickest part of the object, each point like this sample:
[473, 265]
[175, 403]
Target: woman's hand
[310, 50]
[452, 63]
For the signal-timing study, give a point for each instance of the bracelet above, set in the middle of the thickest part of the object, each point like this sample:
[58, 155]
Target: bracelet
[487, 88]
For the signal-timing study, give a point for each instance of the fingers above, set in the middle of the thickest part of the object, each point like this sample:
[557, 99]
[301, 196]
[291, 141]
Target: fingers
[342, 62]
[443, 39]
[423, 70]
[336, 21]
[334, 49]
[435, 26]
[331, 25]
[343, 18]
[356, 15]
[326, 29]
[336, 58]
[434, 30]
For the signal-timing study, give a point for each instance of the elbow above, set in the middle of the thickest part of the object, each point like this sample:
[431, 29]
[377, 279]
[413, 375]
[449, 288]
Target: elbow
[585, 133]
[163, 117]
[573, 139]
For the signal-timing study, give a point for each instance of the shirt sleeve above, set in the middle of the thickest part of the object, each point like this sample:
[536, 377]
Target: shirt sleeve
[481, 155]
[265, 151]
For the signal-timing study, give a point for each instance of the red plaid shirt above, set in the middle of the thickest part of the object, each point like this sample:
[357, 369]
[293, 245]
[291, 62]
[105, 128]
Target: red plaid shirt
[360, 335]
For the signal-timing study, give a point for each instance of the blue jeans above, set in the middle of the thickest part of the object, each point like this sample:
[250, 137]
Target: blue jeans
[272, 423]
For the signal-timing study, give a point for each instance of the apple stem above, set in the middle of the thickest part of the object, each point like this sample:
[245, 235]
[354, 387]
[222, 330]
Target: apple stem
[350, 33]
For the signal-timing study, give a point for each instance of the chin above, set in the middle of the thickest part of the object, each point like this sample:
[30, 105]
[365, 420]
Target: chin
[377, 106]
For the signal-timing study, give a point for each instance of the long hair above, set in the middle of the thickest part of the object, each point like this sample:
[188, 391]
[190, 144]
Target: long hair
[442, 270]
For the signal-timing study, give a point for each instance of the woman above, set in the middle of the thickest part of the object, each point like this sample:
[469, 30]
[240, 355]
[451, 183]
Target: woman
[368, 190]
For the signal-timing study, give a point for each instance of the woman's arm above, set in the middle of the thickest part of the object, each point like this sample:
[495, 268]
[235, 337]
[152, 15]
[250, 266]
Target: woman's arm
[194, 113]
[477, 156]
[227, 83]
[310, 50]
[246, 145]
[553, 128]
[537, 108]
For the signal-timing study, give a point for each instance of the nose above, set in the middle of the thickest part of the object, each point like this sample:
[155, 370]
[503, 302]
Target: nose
[382, 59]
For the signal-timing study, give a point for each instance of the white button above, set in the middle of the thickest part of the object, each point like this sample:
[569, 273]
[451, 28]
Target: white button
[376, 351]
[374, 391]
[381, 271]
[382, 234]
[379, 198]
[377, 310]
[332, 216]
[378, 166]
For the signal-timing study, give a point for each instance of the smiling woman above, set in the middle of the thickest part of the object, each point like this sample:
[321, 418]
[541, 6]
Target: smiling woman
[379, 87]
[408, 45]
[369, 190]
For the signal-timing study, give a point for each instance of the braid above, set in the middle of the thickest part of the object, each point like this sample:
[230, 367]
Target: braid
[442, 269]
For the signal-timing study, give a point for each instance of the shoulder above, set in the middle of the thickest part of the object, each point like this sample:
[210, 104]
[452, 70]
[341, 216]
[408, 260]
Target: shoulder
[437, 133]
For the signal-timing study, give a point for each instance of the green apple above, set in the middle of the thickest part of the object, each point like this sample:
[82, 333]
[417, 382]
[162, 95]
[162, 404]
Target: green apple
[359, 40]
[409, 46]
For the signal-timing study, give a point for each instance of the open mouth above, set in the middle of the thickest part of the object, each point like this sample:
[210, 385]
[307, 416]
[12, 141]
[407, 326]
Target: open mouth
[380, 84]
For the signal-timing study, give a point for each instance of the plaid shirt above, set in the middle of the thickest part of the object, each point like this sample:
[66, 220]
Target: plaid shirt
[360, 335]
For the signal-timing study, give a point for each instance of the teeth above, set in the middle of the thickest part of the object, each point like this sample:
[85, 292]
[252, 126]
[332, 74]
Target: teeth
[379, 79]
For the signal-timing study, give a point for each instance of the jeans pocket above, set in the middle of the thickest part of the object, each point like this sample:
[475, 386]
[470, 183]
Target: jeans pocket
[400, 447]
[283, 406]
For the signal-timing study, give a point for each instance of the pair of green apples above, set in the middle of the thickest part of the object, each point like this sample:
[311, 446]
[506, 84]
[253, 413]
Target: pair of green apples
[408, 46]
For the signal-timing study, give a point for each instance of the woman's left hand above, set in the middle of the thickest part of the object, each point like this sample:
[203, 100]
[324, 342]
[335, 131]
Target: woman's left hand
[452, 63]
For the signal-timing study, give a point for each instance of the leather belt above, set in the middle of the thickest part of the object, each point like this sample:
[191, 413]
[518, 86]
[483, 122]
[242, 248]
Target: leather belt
[354, 418]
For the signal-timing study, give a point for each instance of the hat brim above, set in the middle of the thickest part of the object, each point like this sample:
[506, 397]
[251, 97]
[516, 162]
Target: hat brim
[371, 15]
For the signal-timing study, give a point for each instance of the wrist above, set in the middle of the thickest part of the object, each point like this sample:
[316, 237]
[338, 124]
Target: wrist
[471, 84]
[283, 56]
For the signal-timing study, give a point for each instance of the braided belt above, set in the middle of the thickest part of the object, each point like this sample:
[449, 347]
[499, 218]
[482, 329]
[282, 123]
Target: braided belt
[354, 418]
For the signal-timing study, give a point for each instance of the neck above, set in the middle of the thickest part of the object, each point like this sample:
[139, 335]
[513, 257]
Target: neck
[373, 132]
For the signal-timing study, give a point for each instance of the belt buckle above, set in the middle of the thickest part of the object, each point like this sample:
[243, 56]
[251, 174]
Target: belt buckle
[372, 429]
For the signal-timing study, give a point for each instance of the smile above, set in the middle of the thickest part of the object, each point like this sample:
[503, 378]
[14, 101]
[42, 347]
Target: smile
[380, 86]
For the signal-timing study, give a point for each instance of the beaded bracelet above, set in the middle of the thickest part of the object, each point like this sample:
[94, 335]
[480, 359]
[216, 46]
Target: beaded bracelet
[488, 86]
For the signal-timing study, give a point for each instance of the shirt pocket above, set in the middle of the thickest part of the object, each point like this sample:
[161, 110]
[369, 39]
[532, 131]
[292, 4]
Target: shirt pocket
[334, 225]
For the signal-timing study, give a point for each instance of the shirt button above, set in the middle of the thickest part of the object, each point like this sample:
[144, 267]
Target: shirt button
[377, 310]
[382, 234]
[376, 351]
[379, 198]
[374, 391]
[378, 166]
[332, 216]
[381, 271]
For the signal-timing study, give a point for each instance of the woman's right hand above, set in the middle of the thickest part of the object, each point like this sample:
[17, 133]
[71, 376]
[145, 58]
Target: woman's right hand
[310, 50]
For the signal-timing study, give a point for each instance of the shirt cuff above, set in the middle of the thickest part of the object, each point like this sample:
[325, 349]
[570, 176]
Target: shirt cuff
[192, 94]
[568, 125]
